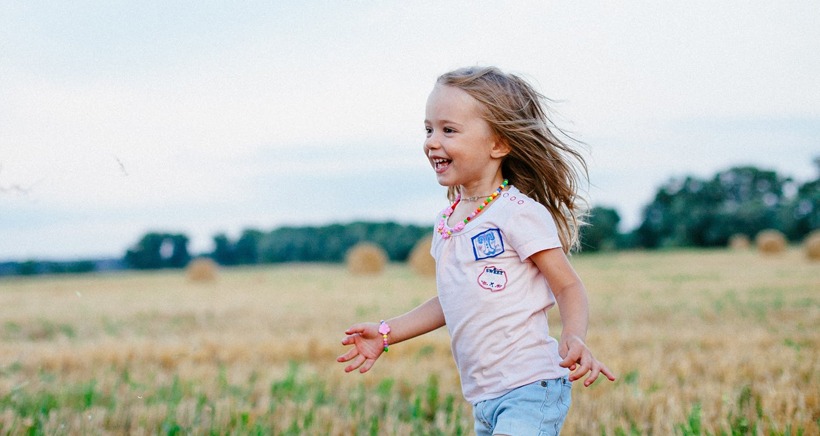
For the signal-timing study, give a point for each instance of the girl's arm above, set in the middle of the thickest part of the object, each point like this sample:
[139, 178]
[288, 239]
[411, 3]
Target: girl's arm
[367, 341]
[571, 296]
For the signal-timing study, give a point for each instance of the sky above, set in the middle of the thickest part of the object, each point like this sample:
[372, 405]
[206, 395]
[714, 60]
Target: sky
[118, 118]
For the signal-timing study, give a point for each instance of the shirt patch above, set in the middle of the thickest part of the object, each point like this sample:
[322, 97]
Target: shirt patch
[492, 278]
[487, 244]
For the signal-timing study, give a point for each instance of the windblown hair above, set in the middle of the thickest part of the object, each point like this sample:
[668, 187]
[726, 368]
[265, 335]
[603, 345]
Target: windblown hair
[540, 164]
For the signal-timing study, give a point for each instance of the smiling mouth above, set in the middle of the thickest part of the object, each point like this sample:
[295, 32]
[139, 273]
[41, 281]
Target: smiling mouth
[441, 164]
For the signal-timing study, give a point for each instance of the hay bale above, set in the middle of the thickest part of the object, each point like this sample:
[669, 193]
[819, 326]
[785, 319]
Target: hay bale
[739, 242]
[420, 259]
[202, 269]
[366, 258]
[770, 242]
[811, 245]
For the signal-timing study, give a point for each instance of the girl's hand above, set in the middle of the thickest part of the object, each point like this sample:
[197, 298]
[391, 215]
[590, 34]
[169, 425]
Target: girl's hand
[579, 360]
[367, 347]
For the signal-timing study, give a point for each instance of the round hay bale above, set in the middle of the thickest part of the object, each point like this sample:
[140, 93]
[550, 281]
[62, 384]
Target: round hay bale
[739, 242]
[811, 245]
[366, 258]
[770, 242]
[202, 269]
[420, 259]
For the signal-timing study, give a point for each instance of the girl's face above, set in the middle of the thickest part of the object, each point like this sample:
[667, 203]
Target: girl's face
[461, 146]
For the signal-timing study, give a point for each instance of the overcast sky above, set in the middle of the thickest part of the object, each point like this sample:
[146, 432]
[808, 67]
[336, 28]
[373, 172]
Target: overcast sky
[119, 117]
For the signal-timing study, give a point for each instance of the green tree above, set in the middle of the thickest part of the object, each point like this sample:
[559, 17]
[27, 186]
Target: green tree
[224, 251]
[146, 253]
[706, 213]
[158, 250]
[179, 251]
[601, 232]
[247, 247]
[802, 213]
[330, 243]
[28, 268]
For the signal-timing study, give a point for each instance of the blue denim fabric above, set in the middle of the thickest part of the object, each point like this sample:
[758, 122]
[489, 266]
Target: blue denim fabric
[535, 409]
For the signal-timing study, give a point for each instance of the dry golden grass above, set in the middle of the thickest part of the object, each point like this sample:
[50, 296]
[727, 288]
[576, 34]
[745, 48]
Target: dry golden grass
[707, 327]
[736, 333]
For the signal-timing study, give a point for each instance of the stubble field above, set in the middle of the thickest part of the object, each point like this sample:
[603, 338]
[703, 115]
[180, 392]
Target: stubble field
[704, 342]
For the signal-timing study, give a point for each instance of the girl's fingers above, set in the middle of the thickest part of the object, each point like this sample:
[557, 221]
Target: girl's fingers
[609, 374]
[356, 329]
[347, 356]
[570, 360]
[356, 363]
[593, 375]
[598, 369]
[579, 371]
[368, 363]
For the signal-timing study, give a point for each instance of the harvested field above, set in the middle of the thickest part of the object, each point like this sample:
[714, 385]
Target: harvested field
[702, 341]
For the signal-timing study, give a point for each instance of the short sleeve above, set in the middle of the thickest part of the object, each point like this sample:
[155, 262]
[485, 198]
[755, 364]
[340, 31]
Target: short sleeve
[532, 229]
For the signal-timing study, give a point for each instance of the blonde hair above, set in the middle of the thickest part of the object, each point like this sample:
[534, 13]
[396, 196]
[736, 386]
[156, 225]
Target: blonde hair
[540, 164]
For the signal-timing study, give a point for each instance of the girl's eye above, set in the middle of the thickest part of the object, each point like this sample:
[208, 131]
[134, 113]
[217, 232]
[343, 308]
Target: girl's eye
[448, 130]
[428, 130]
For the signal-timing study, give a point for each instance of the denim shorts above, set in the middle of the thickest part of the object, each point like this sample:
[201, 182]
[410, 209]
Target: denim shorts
[535, 409]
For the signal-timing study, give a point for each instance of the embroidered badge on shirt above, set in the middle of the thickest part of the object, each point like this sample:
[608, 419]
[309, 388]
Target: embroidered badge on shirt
[487, 244]
[492, 278]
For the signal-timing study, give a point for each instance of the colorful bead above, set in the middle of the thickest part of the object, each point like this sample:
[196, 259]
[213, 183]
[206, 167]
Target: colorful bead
[384, 329]
[446, 232]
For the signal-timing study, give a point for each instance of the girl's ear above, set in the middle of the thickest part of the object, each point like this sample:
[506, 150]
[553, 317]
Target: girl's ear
[500, 148]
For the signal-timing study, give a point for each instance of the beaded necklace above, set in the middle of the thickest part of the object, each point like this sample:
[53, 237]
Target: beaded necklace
[445, 231]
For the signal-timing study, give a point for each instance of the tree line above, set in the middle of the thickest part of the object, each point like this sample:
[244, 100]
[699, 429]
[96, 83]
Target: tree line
[706, 212]
[327, 243]
[685, 212]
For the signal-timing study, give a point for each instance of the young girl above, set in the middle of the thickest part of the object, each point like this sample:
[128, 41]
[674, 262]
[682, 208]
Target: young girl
[500, 251]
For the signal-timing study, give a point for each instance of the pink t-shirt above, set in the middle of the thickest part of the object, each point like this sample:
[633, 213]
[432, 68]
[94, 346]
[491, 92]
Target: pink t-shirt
[495, 299]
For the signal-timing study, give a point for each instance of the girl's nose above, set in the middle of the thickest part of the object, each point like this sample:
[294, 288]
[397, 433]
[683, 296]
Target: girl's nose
[431, 142]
